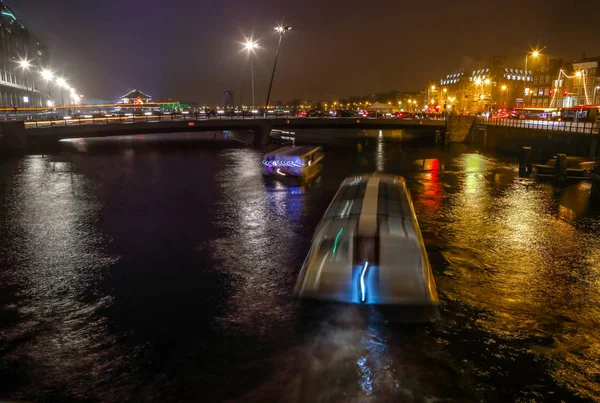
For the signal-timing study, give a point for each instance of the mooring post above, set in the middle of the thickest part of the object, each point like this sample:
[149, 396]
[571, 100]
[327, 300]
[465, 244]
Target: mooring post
[525, 162]
[560, 170]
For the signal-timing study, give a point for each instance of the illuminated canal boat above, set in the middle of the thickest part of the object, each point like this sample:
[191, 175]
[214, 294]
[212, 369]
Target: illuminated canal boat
[368, 249]
[301, 161]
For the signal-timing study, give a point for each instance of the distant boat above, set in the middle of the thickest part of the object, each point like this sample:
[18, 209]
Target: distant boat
[302, 161]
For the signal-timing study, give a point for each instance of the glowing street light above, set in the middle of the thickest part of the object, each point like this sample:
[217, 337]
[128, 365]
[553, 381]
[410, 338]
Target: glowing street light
[48, 76]
[24, 64]
[535, 54]
[62, 83]
[250, 46]
[281, 29]
[503, 88]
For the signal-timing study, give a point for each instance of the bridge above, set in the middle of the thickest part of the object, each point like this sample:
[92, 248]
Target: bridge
[21, 134]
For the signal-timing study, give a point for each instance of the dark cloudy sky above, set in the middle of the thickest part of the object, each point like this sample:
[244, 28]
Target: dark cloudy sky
[189, 50]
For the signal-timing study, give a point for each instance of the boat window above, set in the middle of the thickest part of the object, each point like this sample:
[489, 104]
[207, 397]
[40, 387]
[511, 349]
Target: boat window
[337, 249]
[344, 208]
[352, 192]
[392, 200]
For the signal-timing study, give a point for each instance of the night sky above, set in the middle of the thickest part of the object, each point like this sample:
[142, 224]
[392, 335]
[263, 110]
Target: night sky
[189, 50]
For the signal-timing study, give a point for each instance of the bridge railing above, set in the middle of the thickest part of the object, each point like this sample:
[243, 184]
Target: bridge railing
[151, 118]
[576, 127]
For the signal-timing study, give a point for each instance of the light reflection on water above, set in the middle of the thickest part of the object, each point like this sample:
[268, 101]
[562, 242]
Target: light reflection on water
[516, 263]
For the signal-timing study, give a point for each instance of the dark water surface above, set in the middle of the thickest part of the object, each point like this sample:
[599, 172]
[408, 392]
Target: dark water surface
[133, 270]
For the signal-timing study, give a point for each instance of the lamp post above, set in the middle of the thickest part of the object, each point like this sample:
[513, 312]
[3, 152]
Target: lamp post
[24, 64]
[62, 83]
[281, 29]
[250, 46]
[503, 88]
[48, 76]
[534, 54]
[488, 82]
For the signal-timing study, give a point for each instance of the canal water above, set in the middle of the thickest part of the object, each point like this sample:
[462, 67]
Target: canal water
[141, 269]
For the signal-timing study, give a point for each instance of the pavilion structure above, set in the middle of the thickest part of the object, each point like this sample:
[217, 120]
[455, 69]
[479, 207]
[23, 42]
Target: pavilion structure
[135, 97]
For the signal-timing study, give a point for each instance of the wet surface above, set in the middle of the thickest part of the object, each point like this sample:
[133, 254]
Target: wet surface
[136, 270]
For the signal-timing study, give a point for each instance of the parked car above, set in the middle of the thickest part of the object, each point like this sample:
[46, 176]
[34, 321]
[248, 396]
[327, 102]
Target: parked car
[403, 115]
[314, 113]
[341, 113]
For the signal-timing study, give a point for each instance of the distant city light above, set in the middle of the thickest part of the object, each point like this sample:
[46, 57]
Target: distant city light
[61, 82]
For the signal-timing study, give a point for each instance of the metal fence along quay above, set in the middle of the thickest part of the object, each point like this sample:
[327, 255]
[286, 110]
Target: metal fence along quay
[561, 126]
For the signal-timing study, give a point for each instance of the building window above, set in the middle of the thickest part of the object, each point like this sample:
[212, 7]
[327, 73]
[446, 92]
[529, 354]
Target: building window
[534, 102]
[548, 79]
[547, 91]
[541, 91]
[593, 70]
[535, 79]
[545, 102]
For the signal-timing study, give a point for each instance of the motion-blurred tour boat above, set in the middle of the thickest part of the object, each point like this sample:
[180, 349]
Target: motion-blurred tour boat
[368, 249]
[301, 161]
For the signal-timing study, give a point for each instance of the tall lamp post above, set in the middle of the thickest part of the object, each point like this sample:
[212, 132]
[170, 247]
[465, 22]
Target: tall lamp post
[250, 46]
[48, 76]
[281, 29]
[534, 54]
[62, 83]
[24, 64]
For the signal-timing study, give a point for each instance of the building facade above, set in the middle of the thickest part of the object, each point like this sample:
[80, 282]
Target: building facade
[547, 83]
[21, 85]
[488, 88]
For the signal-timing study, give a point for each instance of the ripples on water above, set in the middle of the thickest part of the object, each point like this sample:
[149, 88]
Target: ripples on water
[165, 273]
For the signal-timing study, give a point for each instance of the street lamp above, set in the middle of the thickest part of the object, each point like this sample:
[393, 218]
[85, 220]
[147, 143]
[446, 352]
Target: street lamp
[250, 46]
[503, 88]
[25, 65]
[281, 29]
[62, 83]
[534, 54]
[48, 76]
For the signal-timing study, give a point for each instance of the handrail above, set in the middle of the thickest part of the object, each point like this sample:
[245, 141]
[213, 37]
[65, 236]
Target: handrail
[566, 126]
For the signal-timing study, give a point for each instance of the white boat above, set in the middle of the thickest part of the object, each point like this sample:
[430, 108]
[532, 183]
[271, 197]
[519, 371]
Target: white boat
[368, 249]
[301, 161]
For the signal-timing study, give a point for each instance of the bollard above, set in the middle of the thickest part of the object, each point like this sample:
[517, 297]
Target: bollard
[525, 162]
[560, 170]
[438, 137]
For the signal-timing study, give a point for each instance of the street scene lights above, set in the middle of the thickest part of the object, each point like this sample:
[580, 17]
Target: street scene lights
[281, 29]
[250, 46]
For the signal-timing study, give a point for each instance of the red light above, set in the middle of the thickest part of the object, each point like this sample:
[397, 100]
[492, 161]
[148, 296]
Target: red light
[566, 92]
